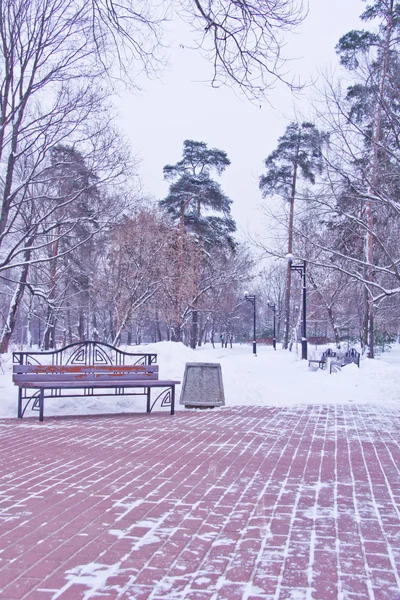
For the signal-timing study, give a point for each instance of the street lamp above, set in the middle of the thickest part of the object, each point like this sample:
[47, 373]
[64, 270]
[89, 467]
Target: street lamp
[301, 269]
[273, 308]
[252, 299]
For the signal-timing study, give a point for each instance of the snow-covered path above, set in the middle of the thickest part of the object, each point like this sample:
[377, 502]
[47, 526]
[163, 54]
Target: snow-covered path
[289, 492]
[241, 503]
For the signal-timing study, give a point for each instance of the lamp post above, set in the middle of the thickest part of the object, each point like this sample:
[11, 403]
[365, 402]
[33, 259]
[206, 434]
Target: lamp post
[252, 299]
[273, 308]
[301, 269]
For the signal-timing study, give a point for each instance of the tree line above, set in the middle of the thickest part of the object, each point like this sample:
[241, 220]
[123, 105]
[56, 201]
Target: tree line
[338, 178]
[83, 255]
[80, 255]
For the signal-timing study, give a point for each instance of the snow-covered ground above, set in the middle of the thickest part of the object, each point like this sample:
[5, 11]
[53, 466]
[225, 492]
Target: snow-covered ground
[272, 378]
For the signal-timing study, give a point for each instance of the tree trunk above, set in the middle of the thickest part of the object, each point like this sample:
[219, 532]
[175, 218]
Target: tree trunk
[9, 325]
[118, 334]
[365, 327]
[204, 332]
[81, 326]
[194, 329]
[95, 333]
[374, 168]
[176, 334]
[371, 341]
[29, 336]
[290, 251]
[69, 326]
[336, 331]
[287, 308]
[111, 333]
[158, 328]
[201, 329]
[50, 329]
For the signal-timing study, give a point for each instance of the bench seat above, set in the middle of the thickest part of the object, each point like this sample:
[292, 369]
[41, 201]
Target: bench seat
[320, 362]
[125, 383]
[99, 377]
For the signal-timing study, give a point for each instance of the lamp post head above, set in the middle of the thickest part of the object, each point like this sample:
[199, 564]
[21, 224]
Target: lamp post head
[246, 294]
[289, 258]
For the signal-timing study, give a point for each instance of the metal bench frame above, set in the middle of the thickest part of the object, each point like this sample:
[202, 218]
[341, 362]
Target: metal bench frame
[97, 368]
[351, 356]
[321, 362]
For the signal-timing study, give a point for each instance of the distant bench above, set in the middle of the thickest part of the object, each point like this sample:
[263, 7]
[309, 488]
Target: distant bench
[321, 362]
[349, 357]
[97, 368]
[337, 359]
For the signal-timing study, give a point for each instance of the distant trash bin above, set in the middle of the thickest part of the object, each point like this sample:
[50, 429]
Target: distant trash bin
[202, 386]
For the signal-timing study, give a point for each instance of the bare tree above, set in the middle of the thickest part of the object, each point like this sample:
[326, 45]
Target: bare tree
[244, 40]
[133, 269]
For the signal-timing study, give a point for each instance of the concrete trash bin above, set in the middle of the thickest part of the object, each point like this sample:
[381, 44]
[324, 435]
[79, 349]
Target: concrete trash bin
[202, 386]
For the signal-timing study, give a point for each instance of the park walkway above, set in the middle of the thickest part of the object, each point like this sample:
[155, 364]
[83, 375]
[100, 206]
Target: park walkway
[234, 503]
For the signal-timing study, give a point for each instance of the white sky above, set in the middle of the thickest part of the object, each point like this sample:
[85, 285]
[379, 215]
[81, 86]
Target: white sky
[182, 105]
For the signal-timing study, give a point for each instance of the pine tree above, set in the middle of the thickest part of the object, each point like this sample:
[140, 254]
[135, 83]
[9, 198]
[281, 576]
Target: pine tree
[197, 204]
[297, 157]
[195, 199]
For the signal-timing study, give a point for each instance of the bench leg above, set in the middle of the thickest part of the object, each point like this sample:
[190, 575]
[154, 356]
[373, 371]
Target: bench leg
[19, 403]
[173, 400]
[41, 404]
[148, 409]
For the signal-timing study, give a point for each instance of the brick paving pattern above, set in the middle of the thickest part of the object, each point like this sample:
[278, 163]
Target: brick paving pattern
[246, 503]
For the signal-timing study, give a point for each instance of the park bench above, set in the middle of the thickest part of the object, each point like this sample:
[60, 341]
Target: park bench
[322, 362]
[349, 357]
[88, 369]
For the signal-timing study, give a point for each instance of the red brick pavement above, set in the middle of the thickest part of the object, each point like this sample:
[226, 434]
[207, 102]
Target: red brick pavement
[237, 503]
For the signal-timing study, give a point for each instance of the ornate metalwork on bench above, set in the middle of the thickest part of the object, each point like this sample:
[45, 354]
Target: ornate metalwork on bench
[35, 399]
[166, 399]
[84, 353]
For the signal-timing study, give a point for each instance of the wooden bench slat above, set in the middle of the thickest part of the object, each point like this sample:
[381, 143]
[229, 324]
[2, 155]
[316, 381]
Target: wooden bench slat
[99, 384]
[76, 369]
[85, 377]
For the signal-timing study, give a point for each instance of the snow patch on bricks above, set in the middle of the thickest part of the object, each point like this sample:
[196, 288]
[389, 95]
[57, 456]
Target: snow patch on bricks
[93, 575]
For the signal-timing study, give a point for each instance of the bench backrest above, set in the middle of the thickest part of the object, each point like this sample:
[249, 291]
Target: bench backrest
[85, 353]
[87, 373]
[353, 356]
[329, 352]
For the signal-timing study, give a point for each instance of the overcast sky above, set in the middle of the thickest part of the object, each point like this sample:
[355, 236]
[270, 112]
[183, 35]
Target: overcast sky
[182, 105]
